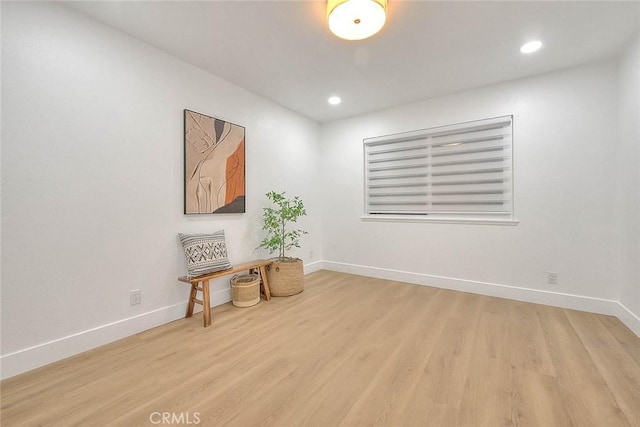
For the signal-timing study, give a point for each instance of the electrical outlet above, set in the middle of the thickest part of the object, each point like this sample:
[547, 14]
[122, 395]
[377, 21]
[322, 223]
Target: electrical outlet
[310, 254]
[135, 296]
[552, 278]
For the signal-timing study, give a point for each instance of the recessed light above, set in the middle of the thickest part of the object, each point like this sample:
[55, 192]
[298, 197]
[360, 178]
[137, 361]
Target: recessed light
[335, 100]
[531, 46]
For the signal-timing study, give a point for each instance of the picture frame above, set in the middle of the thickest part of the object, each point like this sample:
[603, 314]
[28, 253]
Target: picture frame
[214, 165]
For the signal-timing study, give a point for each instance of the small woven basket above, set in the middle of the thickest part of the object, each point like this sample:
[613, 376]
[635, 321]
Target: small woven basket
[286, 278]
[245, 290]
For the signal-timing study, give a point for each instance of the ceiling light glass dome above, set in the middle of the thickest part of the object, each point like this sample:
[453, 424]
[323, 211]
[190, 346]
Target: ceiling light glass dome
[356, 19]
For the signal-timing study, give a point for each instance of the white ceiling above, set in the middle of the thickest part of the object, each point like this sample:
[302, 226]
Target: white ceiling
[283, 50]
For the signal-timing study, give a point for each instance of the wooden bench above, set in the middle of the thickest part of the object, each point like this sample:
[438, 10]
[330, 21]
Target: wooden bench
[201, 283]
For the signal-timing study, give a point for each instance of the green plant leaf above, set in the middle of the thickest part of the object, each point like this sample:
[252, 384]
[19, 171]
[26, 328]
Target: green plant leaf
[275, 222]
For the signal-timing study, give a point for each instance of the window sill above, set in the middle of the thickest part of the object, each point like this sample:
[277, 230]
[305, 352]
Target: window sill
[402, 218]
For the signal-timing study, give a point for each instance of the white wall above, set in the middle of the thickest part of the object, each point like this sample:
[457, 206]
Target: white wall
[92, 181]
[565, 175]
[628, 152]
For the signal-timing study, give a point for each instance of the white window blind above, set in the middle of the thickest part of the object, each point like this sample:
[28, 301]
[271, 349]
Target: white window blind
[458, 170]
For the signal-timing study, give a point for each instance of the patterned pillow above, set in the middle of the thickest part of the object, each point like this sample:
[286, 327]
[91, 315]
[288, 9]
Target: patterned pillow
[205, 253]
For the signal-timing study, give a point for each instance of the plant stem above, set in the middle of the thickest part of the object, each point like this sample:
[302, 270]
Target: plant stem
[283, 238]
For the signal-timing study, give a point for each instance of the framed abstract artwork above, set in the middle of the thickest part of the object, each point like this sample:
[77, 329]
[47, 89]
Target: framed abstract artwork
[214, 165]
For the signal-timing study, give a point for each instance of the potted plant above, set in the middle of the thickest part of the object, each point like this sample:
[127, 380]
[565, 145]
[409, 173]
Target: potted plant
[286, 274]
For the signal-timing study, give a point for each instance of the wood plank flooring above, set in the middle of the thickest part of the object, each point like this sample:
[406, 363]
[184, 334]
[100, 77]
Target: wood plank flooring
[349, 351]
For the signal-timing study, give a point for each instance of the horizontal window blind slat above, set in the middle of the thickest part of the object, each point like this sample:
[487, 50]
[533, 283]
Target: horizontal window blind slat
[444, 153]
[456, 140]
[406, 175]
[400, 185]
[396, 150]
[468, 198]
[470, 203]
[396, 167]
[398, 213]
[469, 141]
[410, 213]
[469, 171]
[467, 192]
[400, 194]
[490, 159]
[399, 203]
[468, 181]
[452, 209]
[481, 178]
[399, 158]
[401, 139]
[470, 186]
[469, 161]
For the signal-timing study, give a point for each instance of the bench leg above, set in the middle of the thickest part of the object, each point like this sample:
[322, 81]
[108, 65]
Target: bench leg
[265, 283]
[192, 299]
[206, 308]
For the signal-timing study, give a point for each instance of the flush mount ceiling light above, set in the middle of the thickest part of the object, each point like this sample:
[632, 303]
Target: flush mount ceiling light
[531, 46]
[334, 100]
[356, 19]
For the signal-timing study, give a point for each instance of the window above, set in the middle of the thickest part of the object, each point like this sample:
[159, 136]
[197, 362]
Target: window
[462, 171]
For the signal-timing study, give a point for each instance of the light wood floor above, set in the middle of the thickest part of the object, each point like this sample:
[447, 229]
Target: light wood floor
[350, 351]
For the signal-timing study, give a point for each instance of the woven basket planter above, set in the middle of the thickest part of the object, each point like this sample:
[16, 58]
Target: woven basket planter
[286, 278]
[245, 290]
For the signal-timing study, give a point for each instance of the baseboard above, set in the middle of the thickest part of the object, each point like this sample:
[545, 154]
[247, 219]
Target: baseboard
[24, 360]
[312, 267]
[629, 318]
[556, 299]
